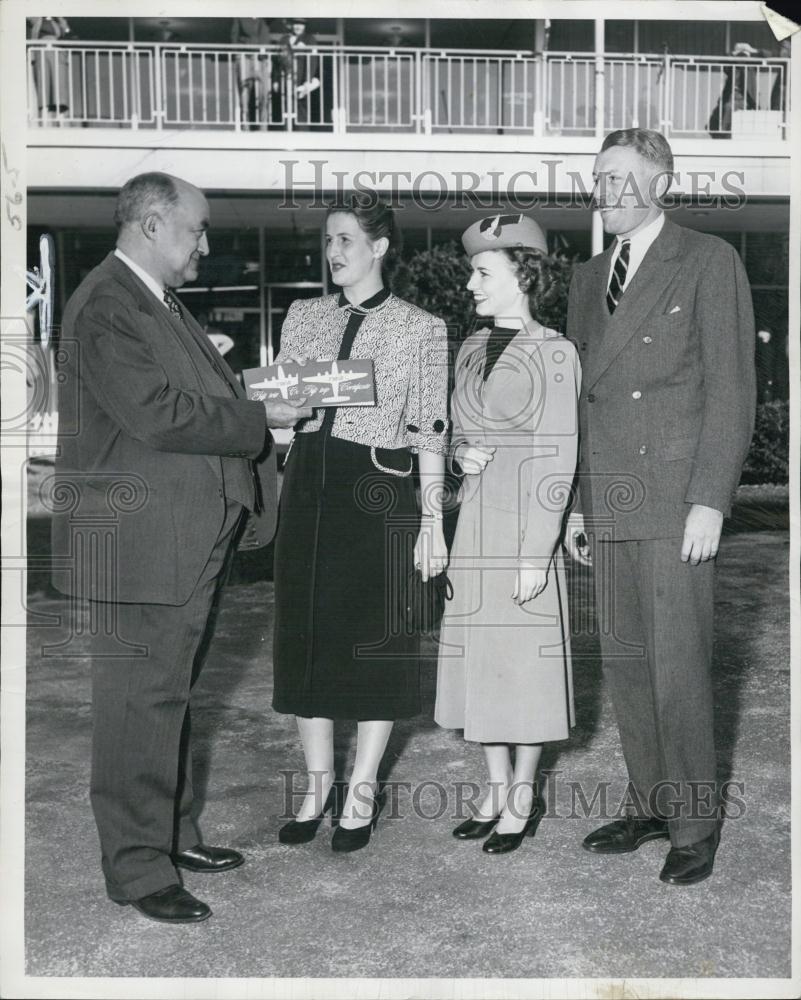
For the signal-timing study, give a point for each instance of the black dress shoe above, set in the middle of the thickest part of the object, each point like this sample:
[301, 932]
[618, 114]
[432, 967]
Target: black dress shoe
[625, 835]
[474, 829]
[203, 859]
[690, 864]
[301, 831]
[173, 905]
[344, 841]
[502, 843]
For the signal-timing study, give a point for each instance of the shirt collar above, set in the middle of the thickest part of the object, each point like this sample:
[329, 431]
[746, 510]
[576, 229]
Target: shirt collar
[143, 275]
[375, 300]
[645, 237]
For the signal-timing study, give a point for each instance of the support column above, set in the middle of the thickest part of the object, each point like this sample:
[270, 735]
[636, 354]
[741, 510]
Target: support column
[540, 47]
[600, 90]
[597, 233]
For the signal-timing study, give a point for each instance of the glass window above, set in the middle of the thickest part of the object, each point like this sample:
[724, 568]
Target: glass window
[683, 37]
[767, 258]
[475, 33]
[619, 36]
[233, 258]
[572, 36]
[770, 314]
[756, 33]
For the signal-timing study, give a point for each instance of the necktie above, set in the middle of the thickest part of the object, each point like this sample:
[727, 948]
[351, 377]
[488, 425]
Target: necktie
[618, 276]
[173, 304]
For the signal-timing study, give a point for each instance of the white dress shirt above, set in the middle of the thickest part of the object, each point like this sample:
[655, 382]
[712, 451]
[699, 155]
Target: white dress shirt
[140, 272]
[639, 247]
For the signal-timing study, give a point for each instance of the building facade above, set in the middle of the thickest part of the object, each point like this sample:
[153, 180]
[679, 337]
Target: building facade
[450, 119]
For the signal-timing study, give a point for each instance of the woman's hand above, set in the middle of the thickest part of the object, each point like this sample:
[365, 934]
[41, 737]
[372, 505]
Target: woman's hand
[472, 458]
[531, 581]
[430, 550]
[576, 540]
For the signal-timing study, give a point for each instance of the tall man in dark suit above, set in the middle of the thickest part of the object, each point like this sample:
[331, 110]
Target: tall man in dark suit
[664, 323]
[156, 450]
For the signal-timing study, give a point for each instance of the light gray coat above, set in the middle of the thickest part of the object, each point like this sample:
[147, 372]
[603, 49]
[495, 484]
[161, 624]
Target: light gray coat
[504, 669]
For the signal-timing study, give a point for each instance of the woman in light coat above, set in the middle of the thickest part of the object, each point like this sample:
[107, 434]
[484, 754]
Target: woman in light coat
[504, 662]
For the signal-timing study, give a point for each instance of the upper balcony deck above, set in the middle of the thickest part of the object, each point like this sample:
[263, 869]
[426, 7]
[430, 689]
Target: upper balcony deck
[369, 90]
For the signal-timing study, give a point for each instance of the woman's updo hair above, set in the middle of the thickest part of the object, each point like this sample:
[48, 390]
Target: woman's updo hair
[376, 220]
[538, 275]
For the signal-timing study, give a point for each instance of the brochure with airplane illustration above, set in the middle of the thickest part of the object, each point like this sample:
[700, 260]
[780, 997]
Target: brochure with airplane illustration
[319, 383]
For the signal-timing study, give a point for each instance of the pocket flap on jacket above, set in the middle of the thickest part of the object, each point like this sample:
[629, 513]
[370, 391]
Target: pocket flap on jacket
[680, 448]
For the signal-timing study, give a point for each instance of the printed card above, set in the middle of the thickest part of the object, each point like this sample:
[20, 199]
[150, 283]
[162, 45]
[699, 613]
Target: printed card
[320, 383]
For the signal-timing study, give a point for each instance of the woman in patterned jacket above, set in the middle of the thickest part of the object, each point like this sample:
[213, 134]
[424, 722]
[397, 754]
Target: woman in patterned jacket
[349, 532]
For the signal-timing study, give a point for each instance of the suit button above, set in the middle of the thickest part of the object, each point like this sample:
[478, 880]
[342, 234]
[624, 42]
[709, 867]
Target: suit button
[643, 449]
[590, 398]
[647, 340]
[413, 428]
[636, 394]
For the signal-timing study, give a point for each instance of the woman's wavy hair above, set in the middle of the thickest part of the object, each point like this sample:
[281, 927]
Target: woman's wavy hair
[540, 275]
[376, 220]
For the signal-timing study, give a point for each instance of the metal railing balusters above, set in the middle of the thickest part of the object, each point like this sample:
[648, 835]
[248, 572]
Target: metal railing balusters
[414, 89]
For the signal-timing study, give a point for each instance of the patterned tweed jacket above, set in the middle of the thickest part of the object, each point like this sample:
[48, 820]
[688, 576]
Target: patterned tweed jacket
[408, 347]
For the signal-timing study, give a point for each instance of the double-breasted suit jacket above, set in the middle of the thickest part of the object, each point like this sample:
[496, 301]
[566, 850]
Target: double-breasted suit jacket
[668, 397]
[666, 414]
[155, 432]
[504, 669]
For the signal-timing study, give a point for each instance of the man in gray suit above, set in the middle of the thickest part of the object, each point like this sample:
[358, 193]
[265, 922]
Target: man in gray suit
[664, 324]
[155, 469]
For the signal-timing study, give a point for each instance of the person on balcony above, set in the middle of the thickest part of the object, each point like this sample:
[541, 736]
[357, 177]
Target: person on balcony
[296, 78]
[737, 93]
[155, 469]
[253, 69]
[504, 673]
[51, 68]
[349, 535]
[665, 326]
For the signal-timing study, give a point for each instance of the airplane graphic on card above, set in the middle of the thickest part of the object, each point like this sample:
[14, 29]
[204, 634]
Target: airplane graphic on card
[336, 378]
[317, 383]
[283, 383]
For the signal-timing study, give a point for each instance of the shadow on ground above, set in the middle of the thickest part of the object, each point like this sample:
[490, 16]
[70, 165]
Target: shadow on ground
[416, 902]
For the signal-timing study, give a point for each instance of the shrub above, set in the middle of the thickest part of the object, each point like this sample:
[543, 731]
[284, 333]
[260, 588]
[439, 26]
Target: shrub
[436, 280]
[767, 460]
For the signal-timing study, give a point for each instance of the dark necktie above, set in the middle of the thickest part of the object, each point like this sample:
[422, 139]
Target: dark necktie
[618, 276]
[173, 304]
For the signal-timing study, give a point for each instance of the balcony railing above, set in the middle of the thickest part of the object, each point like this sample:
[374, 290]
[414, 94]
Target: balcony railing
[360, 89]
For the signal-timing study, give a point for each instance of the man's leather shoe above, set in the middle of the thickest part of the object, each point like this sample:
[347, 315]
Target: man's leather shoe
[172, 905]
[690, 864]
[625, 835]
[203, 859]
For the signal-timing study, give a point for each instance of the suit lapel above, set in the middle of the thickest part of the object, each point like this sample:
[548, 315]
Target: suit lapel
[657, 269]
[187, 330]
[209, 350]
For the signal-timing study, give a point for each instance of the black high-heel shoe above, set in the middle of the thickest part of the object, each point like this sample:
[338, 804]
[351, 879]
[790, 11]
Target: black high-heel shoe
[344, 841]
[301, 831]
[474, 829]
[502, 843]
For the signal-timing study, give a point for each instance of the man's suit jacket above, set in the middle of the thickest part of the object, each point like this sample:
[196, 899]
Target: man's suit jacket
[668, 390]
[154, 429]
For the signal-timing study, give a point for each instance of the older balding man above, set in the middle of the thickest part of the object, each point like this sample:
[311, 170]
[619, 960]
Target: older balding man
[158, 439]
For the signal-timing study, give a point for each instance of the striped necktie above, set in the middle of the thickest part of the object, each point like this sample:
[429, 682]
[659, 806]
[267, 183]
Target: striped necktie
[173, 304]
[618, 279]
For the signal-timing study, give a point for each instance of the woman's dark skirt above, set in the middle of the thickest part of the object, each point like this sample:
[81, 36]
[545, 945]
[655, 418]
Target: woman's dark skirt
[343, 648]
